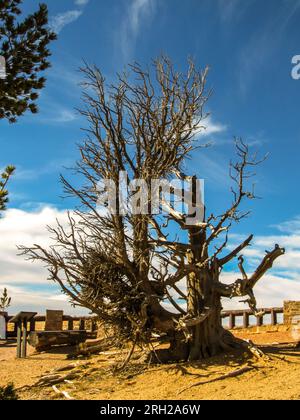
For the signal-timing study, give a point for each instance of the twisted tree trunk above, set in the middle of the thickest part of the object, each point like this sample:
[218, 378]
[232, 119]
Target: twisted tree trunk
[204, 303]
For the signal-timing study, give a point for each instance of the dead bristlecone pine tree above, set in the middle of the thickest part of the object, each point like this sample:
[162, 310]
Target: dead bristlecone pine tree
[128, 265]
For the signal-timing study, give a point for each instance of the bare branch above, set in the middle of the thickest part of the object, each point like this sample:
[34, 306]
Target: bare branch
[245, 286]
[235, 252]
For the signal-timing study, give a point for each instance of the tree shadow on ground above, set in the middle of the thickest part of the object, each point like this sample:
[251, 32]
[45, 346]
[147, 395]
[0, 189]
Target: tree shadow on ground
[282, 350]
[62, 350]
[8, 343]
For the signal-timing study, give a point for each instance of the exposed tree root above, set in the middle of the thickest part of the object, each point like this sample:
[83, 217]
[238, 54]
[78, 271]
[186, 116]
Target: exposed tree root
[59, 375]
[237, 343]
[69, 367]
[128, 358]
[64, 393]
[93, 347]
[256, 351]
[57, 379]
[181, 351]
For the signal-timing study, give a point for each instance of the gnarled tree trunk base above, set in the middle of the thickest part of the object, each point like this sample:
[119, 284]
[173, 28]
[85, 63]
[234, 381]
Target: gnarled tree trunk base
[182, 351]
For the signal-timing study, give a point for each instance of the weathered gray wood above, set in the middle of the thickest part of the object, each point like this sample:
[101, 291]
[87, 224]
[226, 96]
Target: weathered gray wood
[19, 338]
[42, 318]
[54, 320]
[231, 321]
[246, 313]
[32, 325]
[273, 317]
[94, 326]
[82, 324]
[15, 333]
[245, 320]
[24, 340]
[21, 319]
[23, 315]
[70, 325]
[43, 340]
[239, 312]
[95, 346]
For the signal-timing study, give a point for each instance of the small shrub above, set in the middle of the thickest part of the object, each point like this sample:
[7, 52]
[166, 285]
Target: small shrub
[8, 393]
[5, 301]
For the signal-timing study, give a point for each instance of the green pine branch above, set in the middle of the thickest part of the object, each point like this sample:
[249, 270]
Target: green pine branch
[4, 178]
[24, 45]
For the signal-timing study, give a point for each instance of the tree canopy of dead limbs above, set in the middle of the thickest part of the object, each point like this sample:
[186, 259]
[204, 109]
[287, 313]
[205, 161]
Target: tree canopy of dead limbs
[125, 267]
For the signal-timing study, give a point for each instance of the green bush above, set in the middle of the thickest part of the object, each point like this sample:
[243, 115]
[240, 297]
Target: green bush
[8, 393]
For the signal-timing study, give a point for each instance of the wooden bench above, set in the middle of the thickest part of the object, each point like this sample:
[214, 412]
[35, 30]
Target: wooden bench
[44, 340]
[54, 334]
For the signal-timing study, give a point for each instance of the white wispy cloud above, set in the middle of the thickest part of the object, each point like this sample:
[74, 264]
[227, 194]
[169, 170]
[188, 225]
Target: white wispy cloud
[232, 9]
[66, 77]
[227, 9]
[52, 167]
[64, 116]
[58, 22]
[293, 8]
[290, 226]
[208, 127]
[81, 2]
[138, 11]
[53, 113]
[212, 168]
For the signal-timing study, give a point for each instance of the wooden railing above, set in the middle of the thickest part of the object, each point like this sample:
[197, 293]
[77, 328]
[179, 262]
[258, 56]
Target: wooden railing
[87, 323]
[247, 313]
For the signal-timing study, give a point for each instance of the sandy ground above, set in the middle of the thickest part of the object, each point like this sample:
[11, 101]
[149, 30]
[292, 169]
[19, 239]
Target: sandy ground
[26, 371]
[278, 378]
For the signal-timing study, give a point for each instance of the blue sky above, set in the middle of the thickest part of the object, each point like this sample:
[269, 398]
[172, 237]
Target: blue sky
[248, 44]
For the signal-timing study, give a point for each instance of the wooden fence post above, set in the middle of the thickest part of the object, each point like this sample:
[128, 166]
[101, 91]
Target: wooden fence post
[32, 325]
[15, 329]
[24, 341]
[273, 317]
[82, 324]
[19, 338]
[245, 320]
[70, 324]
[94, 326]
[231, 321]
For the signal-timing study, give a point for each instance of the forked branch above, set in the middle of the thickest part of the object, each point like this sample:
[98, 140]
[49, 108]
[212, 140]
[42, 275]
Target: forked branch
[244, 287]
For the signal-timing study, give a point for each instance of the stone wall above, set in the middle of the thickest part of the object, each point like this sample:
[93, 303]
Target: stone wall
[291, 312]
